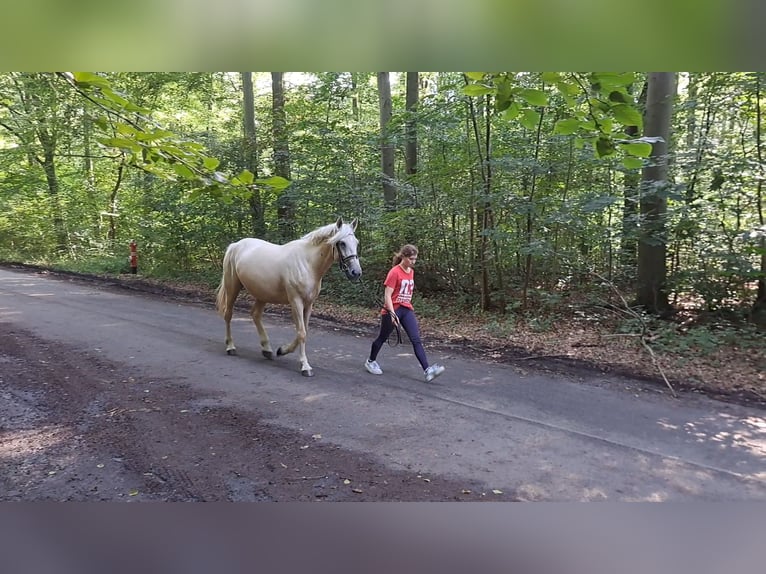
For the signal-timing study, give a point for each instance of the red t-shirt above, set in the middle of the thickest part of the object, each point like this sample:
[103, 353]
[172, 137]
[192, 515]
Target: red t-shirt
[403, 284]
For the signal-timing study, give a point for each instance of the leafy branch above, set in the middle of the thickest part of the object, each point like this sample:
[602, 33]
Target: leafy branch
[606, 98]
[150, 147]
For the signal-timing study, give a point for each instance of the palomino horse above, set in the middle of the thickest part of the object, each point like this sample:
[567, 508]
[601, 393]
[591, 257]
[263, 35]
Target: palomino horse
[285, 274]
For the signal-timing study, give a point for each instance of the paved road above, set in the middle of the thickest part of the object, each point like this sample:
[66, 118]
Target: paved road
[539, 436]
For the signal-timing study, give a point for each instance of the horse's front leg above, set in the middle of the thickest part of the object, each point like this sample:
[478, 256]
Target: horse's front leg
[301, 314]
[256, 312]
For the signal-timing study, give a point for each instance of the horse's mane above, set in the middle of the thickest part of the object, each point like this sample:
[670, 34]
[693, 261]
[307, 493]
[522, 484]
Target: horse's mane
[327, 234]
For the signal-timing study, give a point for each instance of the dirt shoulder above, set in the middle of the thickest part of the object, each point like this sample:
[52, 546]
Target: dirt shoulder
[78, 428]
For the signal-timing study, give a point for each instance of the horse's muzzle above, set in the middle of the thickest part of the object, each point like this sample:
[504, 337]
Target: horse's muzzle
[351, 267]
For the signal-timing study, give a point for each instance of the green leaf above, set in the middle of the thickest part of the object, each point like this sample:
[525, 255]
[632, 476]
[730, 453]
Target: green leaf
[627, 115]
[605, 126]
[638, 149]
[611, 80]
[534, 97]
[618, 96]
[504, 88]
[183, 171]
[476, 76]
[477, 90]
[604, 146]
[245, 177]
[630, 162]
[551, 77]
[90, 79]
[122, 143]
[566, 126]
[211, 163]
[502, 104]
[275, 182]
[126, 129]
[568, 88]
[530, 118]
[512, 112]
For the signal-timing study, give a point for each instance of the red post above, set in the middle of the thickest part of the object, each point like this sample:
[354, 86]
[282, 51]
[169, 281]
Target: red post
[133, 257]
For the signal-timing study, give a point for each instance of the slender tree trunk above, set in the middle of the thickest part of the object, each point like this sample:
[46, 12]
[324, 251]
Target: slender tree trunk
[48, 143]
[759, 308]
[250, 149]
[651, 292]
[113, 201]
[529, 227]
[90, 179]
[355, 109]
[486, 211]
[285, 207]
[481, 208]
[411, 146]
[386, 147]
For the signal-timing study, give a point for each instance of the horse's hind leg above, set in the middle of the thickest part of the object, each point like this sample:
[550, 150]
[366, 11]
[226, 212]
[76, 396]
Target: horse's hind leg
[232, 288]
[257, 314]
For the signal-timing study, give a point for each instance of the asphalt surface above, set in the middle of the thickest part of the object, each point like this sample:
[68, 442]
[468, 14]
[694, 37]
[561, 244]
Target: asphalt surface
[542, 436]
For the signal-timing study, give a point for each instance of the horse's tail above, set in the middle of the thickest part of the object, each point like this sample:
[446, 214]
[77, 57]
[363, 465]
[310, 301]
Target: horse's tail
[228, 277]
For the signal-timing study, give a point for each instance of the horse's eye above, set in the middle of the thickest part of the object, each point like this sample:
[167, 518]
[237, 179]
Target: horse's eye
[341, 244]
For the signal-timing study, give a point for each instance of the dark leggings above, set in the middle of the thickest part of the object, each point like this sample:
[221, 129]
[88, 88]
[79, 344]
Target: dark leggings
[409, 323]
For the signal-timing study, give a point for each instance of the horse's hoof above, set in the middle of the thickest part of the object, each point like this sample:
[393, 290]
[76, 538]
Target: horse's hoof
[268, 354]
[231, 351]
[280, 352]
[307, 373]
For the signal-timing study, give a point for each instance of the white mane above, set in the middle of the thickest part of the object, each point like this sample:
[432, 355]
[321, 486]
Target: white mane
[328, 234]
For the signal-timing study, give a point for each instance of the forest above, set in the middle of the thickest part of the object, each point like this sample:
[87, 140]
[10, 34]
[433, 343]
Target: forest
[585, 214]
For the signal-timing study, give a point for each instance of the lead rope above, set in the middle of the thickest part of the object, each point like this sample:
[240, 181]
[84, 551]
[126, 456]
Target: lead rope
[377, 301]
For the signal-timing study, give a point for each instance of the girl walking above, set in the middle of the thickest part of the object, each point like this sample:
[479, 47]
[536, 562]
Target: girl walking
[397, 298]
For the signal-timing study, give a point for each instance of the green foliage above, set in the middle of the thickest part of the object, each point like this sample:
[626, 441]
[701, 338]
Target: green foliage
[96, 265]
[706, 339]
[129, 128]
[167, 168]
[592, 102]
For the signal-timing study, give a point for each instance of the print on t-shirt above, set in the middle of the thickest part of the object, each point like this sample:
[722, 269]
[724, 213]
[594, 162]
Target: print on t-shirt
[405, 291]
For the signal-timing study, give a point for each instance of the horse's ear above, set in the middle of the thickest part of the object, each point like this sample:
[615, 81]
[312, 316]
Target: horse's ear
[339, 223]
[353, 224]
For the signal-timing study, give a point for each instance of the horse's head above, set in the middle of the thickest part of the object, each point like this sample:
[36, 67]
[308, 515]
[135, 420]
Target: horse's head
[347, 246]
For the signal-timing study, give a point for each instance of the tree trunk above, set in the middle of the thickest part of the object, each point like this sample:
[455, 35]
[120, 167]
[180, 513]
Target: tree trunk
[411, 147]
[49, 167]
[651, 291]
[530, 219]
[250, 149]
[113, 201]
[355, 110]
[481, 208]
[285, 207]
[759, 307]
[386, 147]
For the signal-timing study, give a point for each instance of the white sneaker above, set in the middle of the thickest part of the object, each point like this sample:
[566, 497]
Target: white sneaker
[373, 367]
[432, 372]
